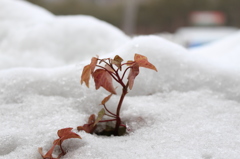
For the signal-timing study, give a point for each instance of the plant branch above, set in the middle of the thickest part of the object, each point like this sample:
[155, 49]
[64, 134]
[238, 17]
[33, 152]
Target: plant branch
[109, 110]
[63, 152]
[110, 115]
[111, 73]
[125, 72]
[101, 121]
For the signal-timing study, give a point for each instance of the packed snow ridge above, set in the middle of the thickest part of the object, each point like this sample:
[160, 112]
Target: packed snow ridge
[189, 109]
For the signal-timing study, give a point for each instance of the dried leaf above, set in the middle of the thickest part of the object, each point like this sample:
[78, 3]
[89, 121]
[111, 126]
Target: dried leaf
[88, 128]
[101, 113]
[117, 61]
[106, 99]
[64, 134]
[48, 155]
[93, 63]
[40, 151]
[103, 79]
[91, 119]
[143, 62]
[86, 73]
[134, 71]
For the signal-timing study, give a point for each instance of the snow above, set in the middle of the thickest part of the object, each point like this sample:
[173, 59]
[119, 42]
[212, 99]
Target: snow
[51, 41]
[224, 51]
[190, 108]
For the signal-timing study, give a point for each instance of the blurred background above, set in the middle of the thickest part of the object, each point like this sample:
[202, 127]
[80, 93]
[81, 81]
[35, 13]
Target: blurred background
[215, 18]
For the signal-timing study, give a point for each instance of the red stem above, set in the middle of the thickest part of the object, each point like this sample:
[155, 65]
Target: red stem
[124, 73]
[101, 121]
[118, 122]
[108, 110]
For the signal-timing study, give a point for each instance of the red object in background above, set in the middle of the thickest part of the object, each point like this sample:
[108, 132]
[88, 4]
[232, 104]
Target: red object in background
[207, 18]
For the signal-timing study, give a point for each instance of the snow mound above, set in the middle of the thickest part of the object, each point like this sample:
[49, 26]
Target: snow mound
[185, 106]
[58, 41]
[178, 69]
[224, 51]
[21, 11]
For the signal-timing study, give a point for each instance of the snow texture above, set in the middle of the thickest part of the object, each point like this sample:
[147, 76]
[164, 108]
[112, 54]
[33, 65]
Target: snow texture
[189, 109]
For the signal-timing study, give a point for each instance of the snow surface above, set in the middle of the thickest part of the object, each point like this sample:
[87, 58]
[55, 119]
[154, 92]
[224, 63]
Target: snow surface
[189, 109]
[225, 51]
[51, 41]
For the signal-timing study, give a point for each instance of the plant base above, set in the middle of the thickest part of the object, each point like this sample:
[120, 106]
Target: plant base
[108, 129]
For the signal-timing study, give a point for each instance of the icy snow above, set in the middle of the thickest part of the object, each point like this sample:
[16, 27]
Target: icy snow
[189, 109]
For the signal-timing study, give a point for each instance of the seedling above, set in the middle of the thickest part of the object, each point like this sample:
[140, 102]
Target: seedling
[63, 134]
[103, 72]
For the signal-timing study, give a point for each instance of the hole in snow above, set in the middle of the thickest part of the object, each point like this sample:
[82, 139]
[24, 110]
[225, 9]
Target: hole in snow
[207, 156]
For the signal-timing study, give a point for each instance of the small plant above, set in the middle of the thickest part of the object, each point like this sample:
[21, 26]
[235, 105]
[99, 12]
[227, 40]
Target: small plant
[104, 71]
[63, 134]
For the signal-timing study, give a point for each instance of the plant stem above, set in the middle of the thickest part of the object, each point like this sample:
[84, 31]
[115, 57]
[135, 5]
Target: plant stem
[63, 152]
[118, 122]
[108, 110]
[101, 121]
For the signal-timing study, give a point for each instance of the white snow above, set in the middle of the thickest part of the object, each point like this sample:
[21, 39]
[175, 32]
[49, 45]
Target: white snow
[189, 109]
[225, 51]
[51, 41]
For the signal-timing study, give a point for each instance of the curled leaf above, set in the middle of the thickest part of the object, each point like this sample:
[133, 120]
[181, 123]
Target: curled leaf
[106, 99]
[64, 134]
[48, 155]
[88, 128]
[86, 73]
[103, 79]
[143, 62]
[117, 61]
[93, 63]
[134, 71]
[101, 113]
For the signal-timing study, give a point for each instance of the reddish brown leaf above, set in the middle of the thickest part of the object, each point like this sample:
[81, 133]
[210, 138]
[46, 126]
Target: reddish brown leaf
[88, 128]
[103, 79]
[106, 99]
[134, 71]
[91, 119]
[93, 63]
[143, 62]
[64, 134]
[48, 155]
[86, 73]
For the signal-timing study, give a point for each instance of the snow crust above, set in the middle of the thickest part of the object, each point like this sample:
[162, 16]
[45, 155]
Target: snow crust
[189, 109]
